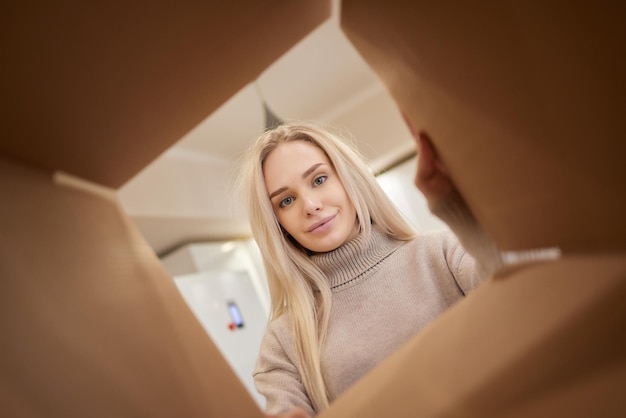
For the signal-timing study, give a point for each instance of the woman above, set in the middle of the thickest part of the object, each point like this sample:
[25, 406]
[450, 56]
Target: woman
[349, 280]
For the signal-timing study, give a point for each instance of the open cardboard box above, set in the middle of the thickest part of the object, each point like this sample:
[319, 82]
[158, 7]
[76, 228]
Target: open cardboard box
[524, 101]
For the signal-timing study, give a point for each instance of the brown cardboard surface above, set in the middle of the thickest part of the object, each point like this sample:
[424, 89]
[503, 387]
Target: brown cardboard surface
[92, 326]
[525, 102]
[541, 340]
[99, 89]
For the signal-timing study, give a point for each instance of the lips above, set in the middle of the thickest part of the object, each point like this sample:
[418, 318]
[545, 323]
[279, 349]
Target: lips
[321, 223]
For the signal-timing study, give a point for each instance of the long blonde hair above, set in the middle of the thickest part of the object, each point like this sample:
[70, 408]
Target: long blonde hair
[297, 287]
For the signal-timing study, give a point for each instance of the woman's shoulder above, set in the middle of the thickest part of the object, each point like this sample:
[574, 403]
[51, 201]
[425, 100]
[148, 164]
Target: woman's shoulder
[279, 323]
[440, 245]
[276, 345]
[443, 239]
[278, 330]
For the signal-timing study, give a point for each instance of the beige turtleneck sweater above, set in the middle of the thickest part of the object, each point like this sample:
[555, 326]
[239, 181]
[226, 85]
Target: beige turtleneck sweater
[384, 291]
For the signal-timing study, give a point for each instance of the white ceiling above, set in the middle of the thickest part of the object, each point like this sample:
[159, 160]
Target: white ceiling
[184, 195]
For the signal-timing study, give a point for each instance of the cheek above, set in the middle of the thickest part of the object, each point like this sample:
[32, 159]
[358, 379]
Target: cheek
[345, 200]
[285, 218]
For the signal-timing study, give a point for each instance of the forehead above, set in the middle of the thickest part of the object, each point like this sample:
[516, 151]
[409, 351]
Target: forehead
[288, 161]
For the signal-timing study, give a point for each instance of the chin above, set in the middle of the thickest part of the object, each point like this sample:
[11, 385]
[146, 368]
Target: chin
[324, 248]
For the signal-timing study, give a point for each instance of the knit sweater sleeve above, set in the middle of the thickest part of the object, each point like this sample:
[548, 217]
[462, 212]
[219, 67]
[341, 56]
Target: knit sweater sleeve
[461, 265]
[276, 376]
[486, 256]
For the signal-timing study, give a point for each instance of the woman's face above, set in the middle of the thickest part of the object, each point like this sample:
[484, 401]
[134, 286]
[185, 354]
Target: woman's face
[308, 197]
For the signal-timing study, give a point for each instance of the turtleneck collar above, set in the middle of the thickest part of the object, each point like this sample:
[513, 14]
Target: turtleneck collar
[348, 263]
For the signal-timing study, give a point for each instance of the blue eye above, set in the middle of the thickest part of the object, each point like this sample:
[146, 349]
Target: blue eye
[319, 180]
[286, 202]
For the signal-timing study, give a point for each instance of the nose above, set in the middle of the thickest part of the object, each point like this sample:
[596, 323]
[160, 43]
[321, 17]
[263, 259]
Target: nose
[311, 204]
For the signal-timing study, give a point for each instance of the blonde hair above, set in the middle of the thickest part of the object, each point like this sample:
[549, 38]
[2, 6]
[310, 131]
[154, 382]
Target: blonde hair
[297, 287]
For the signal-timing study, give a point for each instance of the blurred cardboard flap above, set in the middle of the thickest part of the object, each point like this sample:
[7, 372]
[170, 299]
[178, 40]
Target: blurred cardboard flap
[63, 179]
[93, 92]
[92, 324]
[524, 101]
[100, 89]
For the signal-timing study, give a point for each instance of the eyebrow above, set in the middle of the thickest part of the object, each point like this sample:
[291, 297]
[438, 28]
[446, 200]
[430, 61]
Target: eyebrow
[304, 175]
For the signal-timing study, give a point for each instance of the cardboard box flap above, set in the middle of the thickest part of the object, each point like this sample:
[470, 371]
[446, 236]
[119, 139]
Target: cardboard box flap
[524, 101]
[92, 325]
[491, 356]
[99, 89]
